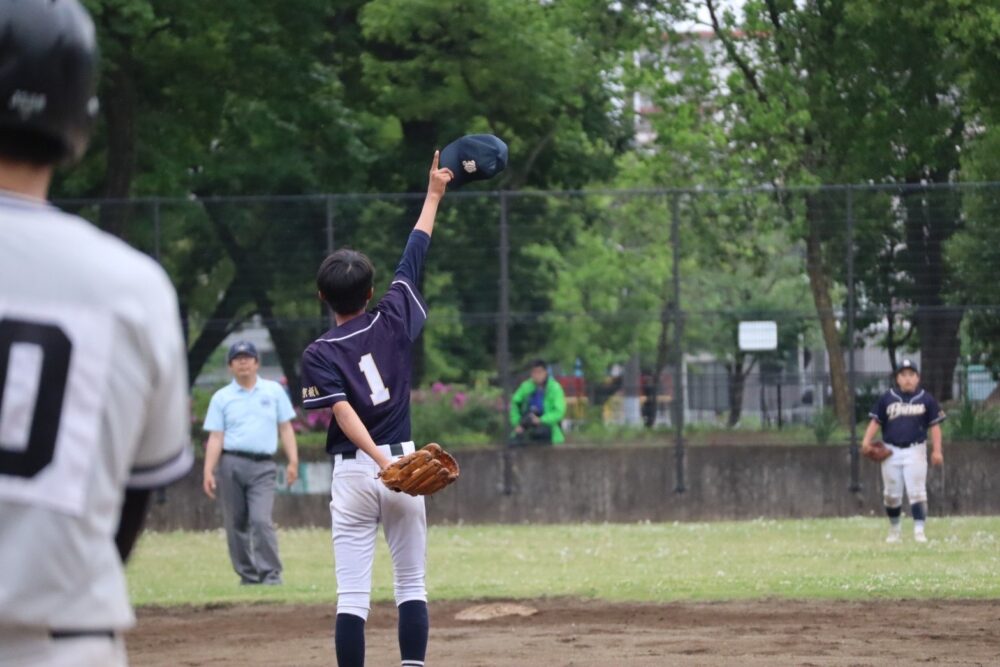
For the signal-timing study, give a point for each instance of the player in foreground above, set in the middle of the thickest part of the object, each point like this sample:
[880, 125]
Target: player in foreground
[361, 368]
[93, 380]
[905, 417]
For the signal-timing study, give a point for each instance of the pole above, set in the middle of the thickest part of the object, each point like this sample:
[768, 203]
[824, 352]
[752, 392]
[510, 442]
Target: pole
[325, 321]
[503, 338]
[329, 224]
[156, 230]
[855, 460]
[779, 403]
[764, 420]
[160, 495]
[678, 402]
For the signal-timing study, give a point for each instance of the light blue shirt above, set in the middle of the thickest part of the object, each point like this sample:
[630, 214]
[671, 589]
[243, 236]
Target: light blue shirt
[249, 419]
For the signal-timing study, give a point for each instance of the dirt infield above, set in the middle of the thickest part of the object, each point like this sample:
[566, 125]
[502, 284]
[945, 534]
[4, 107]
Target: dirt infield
[584, 632]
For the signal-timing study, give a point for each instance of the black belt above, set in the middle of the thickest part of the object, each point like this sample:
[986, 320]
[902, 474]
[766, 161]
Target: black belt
[249, 455]
[909, 444]
[396, 449]
[77, 634]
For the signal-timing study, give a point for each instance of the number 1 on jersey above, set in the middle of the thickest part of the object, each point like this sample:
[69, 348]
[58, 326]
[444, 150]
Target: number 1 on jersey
[380, 393]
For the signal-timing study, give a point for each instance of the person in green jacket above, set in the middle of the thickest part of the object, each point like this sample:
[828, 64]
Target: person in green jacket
[537, 408]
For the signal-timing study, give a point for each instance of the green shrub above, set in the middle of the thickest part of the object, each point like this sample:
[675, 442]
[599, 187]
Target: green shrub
[973, 422]
[824, 425]
[457, 417]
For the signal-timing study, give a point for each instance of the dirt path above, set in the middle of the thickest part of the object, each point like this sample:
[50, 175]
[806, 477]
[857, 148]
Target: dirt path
[584, 633]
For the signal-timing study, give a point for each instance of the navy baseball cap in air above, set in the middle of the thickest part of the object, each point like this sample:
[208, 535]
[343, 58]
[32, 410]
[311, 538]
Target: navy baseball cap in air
[242, 347]
[474, 157]
[906, 364]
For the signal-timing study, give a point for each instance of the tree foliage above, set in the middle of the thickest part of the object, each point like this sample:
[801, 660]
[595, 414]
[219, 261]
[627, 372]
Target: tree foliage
[204, 101]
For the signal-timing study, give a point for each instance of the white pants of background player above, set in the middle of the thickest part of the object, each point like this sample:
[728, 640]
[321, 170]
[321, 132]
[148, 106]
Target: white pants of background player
[905, 470]
[27, 647]
[359, 503]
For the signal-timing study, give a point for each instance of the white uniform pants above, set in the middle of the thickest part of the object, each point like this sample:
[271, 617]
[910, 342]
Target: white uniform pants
[905, 470]
[26, 647]
[359, 503]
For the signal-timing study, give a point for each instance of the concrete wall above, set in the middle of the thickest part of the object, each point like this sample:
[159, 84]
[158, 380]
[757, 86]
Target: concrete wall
[569, 484]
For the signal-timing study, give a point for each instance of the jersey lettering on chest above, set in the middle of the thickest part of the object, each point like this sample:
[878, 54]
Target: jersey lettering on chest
[898, 409]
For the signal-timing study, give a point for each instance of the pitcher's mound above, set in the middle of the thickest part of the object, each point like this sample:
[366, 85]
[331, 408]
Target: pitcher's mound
[487, 612]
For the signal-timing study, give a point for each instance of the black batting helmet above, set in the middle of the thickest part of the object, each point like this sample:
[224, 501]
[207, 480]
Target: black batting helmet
[48, 78]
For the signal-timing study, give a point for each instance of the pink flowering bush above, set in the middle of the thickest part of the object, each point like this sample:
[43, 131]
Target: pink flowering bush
[311, 421]
[457, 416]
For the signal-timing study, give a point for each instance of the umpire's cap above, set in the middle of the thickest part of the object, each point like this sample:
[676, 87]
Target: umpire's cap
[48, 73]
[907, 365]
[474, 157]
[242, 348]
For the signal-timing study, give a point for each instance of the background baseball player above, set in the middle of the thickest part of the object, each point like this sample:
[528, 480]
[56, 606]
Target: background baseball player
[93, 383]
[906, 416]
[361, 368]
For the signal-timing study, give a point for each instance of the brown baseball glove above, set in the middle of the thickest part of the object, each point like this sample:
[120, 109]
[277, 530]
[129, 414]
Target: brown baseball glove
[422, 473]
[877, 452]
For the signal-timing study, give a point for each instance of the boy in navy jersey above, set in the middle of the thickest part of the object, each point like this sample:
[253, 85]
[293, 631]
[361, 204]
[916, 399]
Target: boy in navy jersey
[906, 417]
[361, 370]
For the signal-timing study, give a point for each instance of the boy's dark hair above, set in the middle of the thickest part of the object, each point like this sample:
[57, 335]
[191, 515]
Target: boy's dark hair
[30, 146]
[539, 363]
[344, 279]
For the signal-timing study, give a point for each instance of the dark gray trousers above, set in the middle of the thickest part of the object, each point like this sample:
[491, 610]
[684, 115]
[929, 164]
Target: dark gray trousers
[246, 489]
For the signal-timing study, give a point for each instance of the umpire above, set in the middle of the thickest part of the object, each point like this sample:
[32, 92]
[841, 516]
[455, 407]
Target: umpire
[243, 421]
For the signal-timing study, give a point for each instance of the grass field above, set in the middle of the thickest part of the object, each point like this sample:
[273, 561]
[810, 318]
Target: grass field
[809, 559]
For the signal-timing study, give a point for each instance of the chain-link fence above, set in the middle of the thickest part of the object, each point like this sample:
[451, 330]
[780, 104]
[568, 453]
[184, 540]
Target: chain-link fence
[634, 299]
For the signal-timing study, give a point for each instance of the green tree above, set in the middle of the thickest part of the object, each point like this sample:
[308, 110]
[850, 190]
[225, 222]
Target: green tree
[225, 99]
[827, 92]
[974, 30]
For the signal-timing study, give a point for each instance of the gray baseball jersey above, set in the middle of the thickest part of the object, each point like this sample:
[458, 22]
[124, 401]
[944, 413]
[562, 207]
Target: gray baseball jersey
[93, 398]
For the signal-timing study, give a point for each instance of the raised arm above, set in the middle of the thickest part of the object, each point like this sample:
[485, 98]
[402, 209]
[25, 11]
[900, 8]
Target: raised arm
[412, 262]
[436, 186]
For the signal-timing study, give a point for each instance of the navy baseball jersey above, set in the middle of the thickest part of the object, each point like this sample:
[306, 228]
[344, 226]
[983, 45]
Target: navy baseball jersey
[367, 360]
[905, 418]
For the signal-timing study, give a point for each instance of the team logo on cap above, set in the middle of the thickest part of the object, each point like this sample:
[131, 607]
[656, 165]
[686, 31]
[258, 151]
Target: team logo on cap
[26, 103]
[469, 166]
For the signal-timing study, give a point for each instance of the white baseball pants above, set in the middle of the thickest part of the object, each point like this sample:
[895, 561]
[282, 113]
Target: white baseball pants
[359, 503]
[27, 647]
[905, 470]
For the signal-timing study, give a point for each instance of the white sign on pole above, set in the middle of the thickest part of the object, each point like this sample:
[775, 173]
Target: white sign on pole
[758, 336]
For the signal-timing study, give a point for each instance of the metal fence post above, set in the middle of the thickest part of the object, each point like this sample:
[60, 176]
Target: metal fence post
[156, 230]
[852, 418]
[503, 338]
[159, 495]
[329, 224]
[324, 310]
[678, 402]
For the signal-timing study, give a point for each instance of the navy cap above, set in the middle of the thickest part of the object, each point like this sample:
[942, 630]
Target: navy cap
[906, 364]
[242, 347]
[474, 157]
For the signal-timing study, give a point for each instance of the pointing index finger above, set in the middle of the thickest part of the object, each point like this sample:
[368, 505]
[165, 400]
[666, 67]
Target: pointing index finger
[437, 156]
